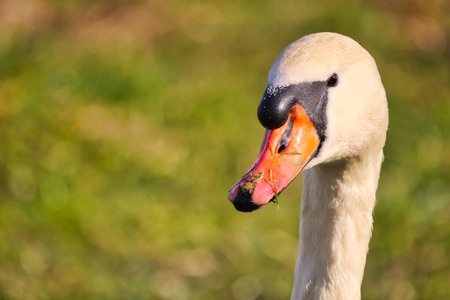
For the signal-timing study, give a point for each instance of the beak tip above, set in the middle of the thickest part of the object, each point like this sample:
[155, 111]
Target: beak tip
[242, 201]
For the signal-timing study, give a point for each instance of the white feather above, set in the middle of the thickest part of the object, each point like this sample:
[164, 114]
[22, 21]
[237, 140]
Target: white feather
[339, 186]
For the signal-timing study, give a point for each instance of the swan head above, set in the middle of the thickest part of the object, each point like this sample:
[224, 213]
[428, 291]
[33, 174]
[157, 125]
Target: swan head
[324, 102]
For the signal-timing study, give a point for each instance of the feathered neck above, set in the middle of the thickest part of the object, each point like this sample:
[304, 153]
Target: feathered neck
[336, 227]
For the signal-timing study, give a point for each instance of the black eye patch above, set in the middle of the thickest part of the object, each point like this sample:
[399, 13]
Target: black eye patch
[273, 110]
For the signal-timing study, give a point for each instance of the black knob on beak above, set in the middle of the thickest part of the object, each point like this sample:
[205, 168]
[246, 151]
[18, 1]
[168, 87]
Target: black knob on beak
[273, 110]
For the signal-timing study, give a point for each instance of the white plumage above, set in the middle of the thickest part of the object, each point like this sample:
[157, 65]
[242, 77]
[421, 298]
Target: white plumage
[326, 112]
[340, 183]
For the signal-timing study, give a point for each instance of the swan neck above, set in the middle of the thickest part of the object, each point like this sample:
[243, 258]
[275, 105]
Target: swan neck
[336, 227]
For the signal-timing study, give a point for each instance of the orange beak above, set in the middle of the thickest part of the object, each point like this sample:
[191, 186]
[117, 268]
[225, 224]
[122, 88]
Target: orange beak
[285, 151]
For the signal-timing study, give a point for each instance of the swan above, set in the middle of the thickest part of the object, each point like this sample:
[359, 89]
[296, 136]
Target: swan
[325, 112]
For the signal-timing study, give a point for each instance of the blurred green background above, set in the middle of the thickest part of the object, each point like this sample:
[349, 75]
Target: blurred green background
[123, 124]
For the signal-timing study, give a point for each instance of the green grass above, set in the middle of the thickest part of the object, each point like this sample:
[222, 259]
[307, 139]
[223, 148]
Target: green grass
[117, 152]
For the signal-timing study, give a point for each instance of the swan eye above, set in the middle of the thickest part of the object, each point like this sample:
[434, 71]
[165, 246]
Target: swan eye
[333, 80]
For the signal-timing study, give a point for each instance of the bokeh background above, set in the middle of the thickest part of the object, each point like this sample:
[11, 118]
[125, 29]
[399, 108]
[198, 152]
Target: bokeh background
[123, 124]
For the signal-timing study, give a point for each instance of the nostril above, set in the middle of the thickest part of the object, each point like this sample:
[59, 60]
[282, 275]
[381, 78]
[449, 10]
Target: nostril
[281, 148]
[284, 141]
